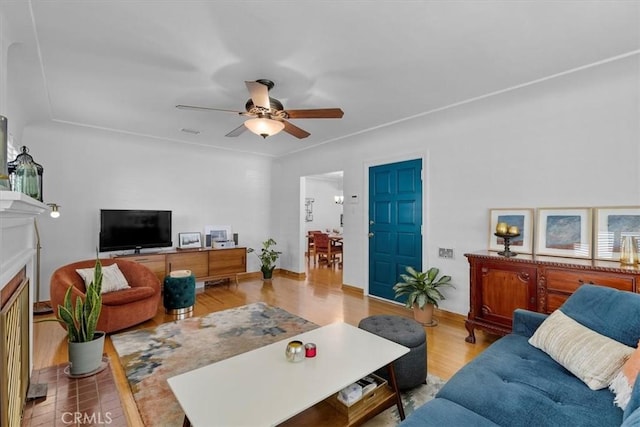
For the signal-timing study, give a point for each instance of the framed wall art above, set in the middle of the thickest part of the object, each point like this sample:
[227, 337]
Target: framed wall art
[523, 219]
[564, 232]
[611, 224]
[189, 240]
[308, 209]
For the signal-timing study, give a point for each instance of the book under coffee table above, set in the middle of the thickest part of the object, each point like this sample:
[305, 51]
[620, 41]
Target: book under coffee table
[261, 387]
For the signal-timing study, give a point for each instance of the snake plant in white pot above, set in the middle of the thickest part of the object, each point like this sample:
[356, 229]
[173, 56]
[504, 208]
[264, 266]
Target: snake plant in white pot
[421, 289]
[85, 343]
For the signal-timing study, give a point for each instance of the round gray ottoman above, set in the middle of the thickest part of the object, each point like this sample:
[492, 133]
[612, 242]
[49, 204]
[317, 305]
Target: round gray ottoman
[411, 369]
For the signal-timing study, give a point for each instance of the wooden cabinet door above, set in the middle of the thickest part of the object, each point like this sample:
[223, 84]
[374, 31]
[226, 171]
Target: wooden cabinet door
[196, 261]
[154, 262]
[224, 262]
[504, 288]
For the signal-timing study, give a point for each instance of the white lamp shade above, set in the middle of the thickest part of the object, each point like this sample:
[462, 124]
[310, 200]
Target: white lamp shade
[264, 127]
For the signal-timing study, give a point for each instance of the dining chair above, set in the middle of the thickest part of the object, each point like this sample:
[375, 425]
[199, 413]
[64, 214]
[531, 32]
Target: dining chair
[337, 248]
[311, 244]
[324, 250]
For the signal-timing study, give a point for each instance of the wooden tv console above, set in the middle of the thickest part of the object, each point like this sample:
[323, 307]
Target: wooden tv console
[499, 285]
[206, 264]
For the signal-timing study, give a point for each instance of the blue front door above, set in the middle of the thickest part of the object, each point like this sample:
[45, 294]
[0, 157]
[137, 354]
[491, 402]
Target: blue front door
[395, 222]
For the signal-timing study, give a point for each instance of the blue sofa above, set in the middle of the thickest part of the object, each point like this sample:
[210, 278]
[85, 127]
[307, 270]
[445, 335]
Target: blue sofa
[513, 383]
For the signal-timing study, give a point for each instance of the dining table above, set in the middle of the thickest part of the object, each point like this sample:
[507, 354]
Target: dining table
[335, 237]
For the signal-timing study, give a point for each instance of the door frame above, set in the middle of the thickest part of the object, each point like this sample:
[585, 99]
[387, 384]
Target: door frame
[302, 235]
[422, 155]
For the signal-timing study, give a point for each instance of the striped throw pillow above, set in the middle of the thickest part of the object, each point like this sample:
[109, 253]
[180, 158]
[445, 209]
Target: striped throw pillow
[594, 358]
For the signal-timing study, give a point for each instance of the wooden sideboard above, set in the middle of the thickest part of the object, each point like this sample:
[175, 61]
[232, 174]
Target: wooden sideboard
[499, 285]
[206, 264]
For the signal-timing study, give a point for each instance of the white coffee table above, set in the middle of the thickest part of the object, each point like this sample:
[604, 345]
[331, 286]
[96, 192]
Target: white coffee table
[261, 387]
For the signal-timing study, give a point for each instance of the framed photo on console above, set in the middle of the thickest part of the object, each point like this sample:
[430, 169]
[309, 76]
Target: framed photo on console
[521, 218]
[564, 232]
[611, 225]
[190, 240]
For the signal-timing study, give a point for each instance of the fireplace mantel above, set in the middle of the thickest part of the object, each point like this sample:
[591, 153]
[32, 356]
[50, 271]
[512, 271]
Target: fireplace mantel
[17, 267]
[17, 205]
[18, 251]
[17, 240]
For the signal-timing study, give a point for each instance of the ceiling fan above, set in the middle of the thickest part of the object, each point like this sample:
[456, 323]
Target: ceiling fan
[268, 116]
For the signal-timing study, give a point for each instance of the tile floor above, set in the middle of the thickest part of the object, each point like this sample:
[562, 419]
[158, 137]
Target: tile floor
[91, 401]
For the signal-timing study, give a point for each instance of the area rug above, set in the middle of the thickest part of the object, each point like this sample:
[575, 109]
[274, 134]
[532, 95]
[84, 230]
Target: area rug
[411, 399]
[151, 356]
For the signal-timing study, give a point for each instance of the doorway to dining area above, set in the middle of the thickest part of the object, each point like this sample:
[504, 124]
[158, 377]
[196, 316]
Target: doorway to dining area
[323, 214]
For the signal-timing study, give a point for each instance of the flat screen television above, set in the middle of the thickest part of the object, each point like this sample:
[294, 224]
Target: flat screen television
[122, 229]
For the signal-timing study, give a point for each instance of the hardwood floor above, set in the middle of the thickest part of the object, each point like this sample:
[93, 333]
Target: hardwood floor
[319, 298]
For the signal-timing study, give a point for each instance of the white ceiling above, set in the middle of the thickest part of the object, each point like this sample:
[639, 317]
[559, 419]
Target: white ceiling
[123, 66]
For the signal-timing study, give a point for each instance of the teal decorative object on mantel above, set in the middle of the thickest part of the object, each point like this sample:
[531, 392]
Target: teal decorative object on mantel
[26, 175]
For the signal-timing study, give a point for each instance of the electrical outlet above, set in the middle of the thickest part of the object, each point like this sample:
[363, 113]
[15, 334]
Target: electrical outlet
[445, 253]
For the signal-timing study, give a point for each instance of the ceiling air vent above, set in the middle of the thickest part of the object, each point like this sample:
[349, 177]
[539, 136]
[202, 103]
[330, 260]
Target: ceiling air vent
[190, 131]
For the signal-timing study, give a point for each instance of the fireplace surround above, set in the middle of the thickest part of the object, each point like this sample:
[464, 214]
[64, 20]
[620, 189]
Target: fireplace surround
[17, 273]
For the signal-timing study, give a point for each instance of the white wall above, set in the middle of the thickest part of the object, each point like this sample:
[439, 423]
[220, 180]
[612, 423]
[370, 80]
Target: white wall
[564, 142]
[87, 170]
[22, 94]
[326, 213]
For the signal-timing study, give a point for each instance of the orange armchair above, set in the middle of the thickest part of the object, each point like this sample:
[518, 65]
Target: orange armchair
[120, 309]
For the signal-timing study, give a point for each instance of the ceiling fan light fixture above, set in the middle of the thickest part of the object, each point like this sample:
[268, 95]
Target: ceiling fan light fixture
[267, 116]
[264, 126]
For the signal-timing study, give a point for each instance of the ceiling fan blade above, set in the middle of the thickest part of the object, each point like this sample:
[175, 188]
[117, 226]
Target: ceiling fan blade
[193, 107]
[318, 113]
[259, 94]
[295, 130]
[237, 131]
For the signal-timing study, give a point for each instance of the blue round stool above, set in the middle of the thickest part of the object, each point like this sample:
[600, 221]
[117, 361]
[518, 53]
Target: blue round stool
[411, 369]
[179, 294]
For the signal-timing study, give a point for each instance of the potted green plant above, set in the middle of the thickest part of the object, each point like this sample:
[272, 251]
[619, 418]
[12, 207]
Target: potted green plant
[268, 258]
[421, 289]
[85, 343]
